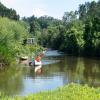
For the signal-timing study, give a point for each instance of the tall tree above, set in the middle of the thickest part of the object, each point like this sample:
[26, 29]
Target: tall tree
[6, 12]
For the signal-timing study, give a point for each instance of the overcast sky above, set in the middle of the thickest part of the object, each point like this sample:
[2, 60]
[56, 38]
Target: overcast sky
[54, 8]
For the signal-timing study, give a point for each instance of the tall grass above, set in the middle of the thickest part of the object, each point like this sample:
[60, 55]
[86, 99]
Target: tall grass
[68, 92]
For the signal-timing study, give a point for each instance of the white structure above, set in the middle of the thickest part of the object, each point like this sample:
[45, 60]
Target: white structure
[31, 40]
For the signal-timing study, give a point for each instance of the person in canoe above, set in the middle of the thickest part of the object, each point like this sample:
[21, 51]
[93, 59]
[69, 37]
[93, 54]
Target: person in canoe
[38, 60]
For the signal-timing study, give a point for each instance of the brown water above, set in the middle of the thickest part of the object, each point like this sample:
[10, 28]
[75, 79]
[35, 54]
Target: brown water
[57, 70]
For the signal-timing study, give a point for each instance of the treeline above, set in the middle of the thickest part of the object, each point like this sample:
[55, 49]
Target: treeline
[10, 13]
[78, 33]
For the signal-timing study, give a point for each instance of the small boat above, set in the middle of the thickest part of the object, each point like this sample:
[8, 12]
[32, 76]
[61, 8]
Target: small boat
[37, 60]
[24, 58]
[35, 63]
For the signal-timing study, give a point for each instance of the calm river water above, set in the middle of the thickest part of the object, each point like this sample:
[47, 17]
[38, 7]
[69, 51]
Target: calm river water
[57, 70]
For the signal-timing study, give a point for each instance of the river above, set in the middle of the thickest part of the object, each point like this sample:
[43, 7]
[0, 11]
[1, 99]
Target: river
[57, 70]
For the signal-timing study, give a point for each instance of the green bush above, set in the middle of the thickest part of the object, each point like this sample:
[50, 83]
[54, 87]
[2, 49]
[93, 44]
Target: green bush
[68, 92]
[12, 34]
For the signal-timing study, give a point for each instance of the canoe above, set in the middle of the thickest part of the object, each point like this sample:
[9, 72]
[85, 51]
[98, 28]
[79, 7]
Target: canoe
[35, 63]
[24, 58]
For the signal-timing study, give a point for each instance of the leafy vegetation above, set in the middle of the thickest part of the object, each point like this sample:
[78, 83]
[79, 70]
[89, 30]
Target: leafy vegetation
[11, 38]
[6, 12]
[12, 34]
[78, 33]
[68, 92]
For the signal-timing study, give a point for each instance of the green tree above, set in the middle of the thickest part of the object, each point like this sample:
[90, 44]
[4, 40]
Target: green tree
[12, 34]
[6, 12]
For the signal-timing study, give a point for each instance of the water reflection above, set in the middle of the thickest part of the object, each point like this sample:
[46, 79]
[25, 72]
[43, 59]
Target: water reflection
[92, 72]
[10, 81]
[38, 69]
[71, 69]
[55, 71]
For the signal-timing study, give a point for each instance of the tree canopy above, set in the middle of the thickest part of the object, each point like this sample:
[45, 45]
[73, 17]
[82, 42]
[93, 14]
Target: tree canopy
[77, 33]
[10, 13]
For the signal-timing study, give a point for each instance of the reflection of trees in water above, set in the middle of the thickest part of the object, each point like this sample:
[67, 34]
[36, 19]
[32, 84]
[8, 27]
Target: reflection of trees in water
[11, 81]
[48, 70]
[74, 69]
[70, 69]
[92, 72]
[82, 70]
[66, 67]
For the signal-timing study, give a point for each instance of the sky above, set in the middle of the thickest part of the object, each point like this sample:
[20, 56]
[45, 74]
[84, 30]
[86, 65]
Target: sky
[54, 8]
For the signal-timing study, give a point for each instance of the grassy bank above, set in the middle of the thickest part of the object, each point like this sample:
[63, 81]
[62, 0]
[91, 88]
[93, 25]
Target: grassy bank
[68, 92]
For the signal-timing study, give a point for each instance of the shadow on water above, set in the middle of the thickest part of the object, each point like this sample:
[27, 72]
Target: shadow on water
[70, 69]
[92, 72]
[57, 70]
[10, 81]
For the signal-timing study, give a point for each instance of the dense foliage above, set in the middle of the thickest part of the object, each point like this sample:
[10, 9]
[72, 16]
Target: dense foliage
[12, 34]
[69, 92]
[6, 12]
[78, 32]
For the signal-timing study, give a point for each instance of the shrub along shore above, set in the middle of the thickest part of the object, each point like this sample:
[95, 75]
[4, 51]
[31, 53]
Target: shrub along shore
[69, 92]
[12, 46]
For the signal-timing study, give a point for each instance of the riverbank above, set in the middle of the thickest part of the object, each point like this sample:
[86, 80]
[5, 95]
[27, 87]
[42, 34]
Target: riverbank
[68, 92]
